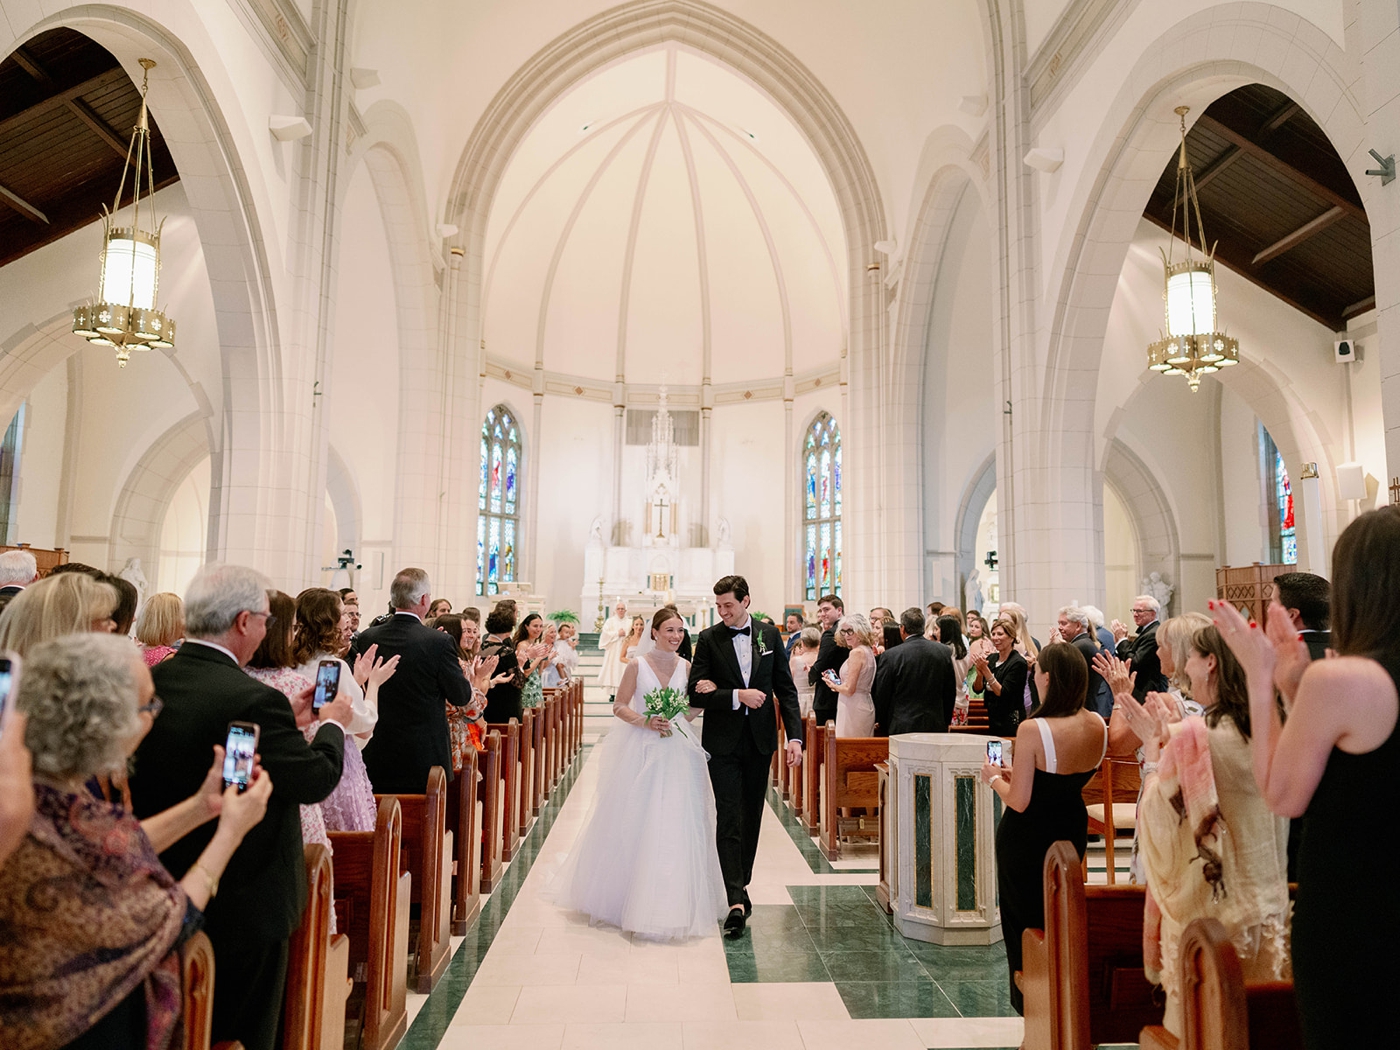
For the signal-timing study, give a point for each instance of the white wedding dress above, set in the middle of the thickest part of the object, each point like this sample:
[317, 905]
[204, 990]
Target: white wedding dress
[645, 860]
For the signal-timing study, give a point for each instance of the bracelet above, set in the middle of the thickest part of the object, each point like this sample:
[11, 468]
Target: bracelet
[1148, 768]
[211, 882]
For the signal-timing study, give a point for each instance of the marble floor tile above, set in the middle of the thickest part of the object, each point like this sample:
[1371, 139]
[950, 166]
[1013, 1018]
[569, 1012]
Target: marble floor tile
[859, 1035]
[487, 1005]
[706, 1002]
[741, 1035]
[524, 970]
[633, 968]
[517, 940]
[703, 969]
[873, 966]
[595, 941]
[768, 967]
[655, 1035]
[504, 1037]
[571, 1004]
[918, 997]
[970, 1031]
[789, 1002]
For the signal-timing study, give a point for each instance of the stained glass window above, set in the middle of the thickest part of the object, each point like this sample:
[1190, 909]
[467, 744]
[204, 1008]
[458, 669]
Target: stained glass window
[498, 503]
[821, 508]
[1283, 529]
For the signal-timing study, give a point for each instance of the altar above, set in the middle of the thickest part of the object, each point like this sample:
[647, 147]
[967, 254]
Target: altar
[657, 567]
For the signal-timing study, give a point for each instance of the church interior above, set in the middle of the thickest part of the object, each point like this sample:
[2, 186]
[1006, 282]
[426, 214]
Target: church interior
[583, 303]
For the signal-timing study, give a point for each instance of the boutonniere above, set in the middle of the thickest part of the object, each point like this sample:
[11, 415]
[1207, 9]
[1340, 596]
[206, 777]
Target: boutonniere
[762, 642]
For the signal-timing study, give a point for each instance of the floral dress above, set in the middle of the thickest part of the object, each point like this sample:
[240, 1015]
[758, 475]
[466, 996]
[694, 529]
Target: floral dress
[533, 693]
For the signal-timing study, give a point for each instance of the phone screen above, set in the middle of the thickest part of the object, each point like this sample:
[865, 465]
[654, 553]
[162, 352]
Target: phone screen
[327, 683]
[833, 677]
[994, 752]
[7, 683]
[239, 749]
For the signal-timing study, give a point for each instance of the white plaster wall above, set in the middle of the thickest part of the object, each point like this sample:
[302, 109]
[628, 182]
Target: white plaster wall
[746, 486]
[1246, 526]
[41, 462]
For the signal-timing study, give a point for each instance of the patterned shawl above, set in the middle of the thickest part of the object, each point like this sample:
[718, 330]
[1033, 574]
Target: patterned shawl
[87, 914]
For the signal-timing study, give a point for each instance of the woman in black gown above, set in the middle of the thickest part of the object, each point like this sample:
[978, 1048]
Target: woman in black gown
[1336, 764]
[1001, 678]
[503, 699]
[1056, 753]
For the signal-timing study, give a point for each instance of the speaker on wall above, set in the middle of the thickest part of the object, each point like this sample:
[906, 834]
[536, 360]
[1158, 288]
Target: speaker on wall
[1344, 351]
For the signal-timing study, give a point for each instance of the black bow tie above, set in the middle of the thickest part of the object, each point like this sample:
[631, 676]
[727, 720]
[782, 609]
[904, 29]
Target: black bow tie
[739, 630]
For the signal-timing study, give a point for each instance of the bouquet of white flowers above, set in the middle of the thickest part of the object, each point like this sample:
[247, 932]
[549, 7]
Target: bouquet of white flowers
[669, 704]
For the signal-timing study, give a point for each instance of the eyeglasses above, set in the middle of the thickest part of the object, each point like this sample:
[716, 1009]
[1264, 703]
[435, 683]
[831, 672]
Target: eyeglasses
[154, 707]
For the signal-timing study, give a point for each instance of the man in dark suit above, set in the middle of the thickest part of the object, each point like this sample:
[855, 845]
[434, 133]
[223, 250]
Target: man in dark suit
[915, 687]
[830, 657]
[1074, 628]
[263, 890]
[18, 570]
[793, 623]
[1142, 648]
[739, 677]
[1308, 599]
[411, 734]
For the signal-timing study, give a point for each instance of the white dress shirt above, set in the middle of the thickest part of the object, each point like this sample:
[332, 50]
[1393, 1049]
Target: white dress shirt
[743, 649]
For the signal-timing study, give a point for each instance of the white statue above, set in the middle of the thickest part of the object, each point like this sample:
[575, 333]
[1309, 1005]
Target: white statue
[723, 531]
[1159, 589]
[132, 574]
[595, 533]
[972, 591]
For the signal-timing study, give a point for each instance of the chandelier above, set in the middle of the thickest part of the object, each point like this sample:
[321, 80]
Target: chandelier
[125, 315]
[1192, 347]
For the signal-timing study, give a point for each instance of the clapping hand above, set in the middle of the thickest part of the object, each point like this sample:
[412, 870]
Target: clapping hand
[364, 664]
[1277, 652]
[1119, 629]
[380, 671]
[1146, 725]
[1117, 673]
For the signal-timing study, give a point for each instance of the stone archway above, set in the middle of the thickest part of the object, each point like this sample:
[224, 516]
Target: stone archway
[146, 494]
[1159, 545]
[974, 502]
[637, 26]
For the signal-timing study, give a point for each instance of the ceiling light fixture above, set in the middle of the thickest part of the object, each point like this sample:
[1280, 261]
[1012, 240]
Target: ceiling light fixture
[1192, 346]
[125, 316]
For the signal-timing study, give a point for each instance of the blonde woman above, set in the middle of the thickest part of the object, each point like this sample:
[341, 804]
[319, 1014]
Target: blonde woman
[69, 603]
[855, 710]
[160, 625]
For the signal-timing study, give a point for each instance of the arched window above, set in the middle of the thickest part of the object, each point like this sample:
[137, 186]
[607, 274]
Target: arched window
[1283, 532]
[821, 503]
[498, 523]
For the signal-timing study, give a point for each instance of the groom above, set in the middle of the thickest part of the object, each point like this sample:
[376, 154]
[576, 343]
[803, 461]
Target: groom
[737, 673]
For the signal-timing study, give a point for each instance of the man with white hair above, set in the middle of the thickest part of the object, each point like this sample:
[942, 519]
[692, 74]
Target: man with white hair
[411, 734]
[1096, 624]
[1074, 628]
[1141, 649]
[18, 570]
[262, 893]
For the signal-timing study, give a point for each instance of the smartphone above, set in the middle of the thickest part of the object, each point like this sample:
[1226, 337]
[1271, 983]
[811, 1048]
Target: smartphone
[994, 752]
[9, 672]
[239, 749]
[327, 683]
[832, 678]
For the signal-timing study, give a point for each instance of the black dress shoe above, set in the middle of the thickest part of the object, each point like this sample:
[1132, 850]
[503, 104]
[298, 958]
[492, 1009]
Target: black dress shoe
[748, 905]
[734, 924]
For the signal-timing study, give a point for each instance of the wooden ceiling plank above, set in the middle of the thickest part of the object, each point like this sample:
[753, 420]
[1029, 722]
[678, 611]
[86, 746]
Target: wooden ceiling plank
[1298, 236]
[1215, 167]
[1261, 153]
[85, 113]
[60, 99]
[1278, 119]
[22, 206]
[31, 65]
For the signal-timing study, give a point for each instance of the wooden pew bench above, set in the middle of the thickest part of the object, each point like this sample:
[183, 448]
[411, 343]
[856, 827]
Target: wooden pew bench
[512, 824]
[492, 819]
[464, 821]
[1082, 976]
[318, 966]
[372, 909]
[1219, 1010]
[427, 854]
[849, 779]
[197, 995]
[813, 755]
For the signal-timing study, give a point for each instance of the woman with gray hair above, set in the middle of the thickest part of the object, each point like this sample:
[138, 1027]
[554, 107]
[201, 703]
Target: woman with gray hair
[855, 708]
[94, 920]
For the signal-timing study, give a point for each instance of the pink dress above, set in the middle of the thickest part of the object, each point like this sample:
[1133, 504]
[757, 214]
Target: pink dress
[154, 654]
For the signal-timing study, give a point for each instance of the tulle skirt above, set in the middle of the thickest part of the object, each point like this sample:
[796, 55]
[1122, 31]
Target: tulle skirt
[645, 860]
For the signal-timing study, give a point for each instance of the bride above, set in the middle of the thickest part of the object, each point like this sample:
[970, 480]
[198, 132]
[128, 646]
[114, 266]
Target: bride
[646, 859]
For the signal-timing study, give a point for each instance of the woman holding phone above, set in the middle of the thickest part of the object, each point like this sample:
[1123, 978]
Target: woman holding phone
[855, 708]
[1056, 753]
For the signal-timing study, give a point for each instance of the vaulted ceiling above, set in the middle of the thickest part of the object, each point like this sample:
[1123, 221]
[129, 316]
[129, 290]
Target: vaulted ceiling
[1281, 203]
[66, 113]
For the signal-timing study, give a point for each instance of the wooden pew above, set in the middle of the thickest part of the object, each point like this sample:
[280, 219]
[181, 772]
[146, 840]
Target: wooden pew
[528, 718]
[1082, 975]
[1219, 1011]
[372, 902]
[492, 811]
[796, 776]
[977, 719]
[197, 993]
[511, 823]
[848, 779]
[318, 966]
[540, 750]
[814, 754]
[465, 824]
[1111, 798]
[427, 853]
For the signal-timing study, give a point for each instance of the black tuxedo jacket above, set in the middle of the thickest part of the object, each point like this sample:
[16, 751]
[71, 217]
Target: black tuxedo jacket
[715, 660]
[915, 688]
[263, 889]
[411, 734]
[1100, 698]
[1318, 642]
[1142, 651]
[830, 657]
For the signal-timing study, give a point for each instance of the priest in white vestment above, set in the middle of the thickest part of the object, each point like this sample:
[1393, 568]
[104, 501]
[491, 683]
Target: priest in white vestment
[612, 640]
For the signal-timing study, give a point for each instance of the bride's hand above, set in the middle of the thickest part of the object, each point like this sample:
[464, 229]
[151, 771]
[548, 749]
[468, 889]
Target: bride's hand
[659, 724]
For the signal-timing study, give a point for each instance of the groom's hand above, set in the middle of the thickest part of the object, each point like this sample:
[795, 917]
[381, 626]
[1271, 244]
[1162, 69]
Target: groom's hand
[751, 698]
[794, 752]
